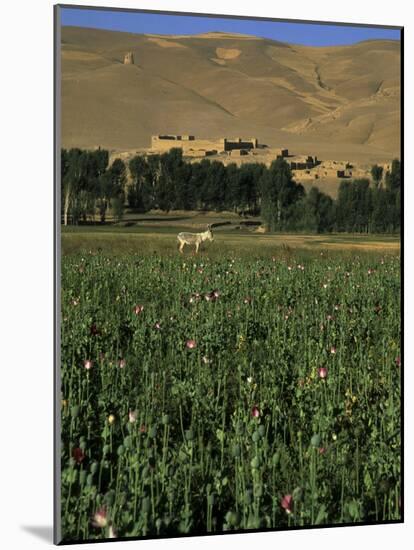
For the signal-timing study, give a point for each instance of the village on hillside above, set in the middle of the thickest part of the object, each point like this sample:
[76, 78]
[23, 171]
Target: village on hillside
[306, 168]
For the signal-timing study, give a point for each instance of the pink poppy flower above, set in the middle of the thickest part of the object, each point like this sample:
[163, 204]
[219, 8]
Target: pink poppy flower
[255, 412]
[191, 344]
[195, 297]
[157, 326]
[398, 361]
[88, 364]
[121, 363]
[78, 455]
[322, 372]
[212, 296]
[100, 518]
[138, 309]
[286, 503]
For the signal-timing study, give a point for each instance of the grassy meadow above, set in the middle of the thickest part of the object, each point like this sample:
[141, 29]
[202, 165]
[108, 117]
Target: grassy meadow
[254, 386]
[156, 234]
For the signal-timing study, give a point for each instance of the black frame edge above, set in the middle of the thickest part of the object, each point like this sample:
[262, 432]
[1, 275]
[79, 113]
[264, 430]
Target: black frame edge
[57, 536]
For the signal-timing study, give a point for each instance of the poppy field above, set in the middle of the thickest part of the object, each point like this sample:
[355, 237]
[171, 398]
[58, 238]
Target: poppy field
[203, 395]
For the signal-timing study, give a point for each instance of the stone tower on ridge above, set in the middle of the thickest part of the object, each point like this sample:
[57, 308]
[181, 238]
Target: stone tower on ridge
[129, 58]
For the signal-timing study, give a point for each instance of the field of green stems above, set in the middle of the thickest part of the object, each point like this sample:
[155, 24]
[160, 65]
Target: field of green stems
[202, 395]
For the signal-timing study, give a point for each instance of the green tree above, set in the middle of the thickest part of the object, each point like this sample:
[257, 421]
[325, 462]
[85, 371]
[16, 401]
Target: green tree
[214, 190]
[344, 207]
[363, 205]
[73, 170]
[279, 193]
[104, 192]
[232, 191]
[183, 195]
[82, 171]
[171, 165]
[314, 212]
[118, 208]
[380, 211]
[118, 176]
[393, 178]
[199, 171]
[354, 206]
[377, 173]
[248, 193]
[146, 174]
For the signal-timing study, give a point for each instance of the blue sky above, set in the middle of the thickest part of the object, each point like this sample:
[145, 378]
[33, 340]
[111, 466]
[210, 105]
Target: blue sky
[294, 33]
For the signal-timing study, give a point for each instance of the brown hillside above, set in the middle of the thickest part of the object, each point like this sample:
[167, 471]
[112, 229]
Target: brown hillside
[334, 102]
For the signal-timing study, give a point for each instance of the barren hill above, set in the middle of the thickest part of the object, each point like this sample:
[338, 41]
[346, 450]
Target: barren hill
[336, 102]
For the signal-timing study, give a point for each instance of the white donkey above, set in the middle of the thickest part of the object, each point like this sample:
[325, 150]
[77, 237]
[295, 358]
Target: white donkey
[194, 238]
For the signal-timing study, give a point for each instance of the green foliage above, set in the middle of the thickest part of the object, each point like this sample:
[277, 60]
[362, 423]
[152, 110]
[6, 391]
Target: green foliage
[118, 208]
[87, 185]
[278, 194]
[144, 179]
[377, 173]
[393, 178]
[117, 172]
[167, 182]
[161, 439]
[363, 209]
[315, 212]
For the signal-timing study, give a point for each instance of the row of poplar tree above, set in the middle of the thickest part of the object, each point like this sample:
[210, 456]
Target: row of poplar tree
[91, 186]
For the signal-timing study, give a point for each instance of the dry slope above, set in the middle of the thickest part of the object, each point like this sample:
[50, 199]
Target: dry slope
[337, 101]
